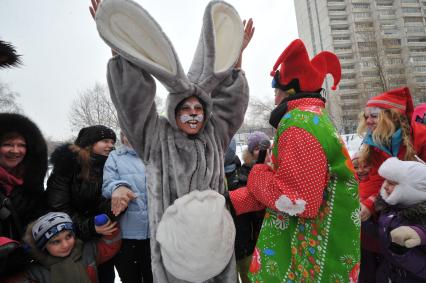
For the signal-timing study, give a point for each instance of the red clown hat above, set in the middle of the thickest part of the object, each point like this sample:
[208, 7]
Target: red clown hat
[295, 65]
[398, 99]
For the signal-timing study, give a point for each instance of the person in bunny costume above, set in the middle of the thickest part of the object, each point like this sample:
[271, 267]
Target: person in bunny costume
[192, 232]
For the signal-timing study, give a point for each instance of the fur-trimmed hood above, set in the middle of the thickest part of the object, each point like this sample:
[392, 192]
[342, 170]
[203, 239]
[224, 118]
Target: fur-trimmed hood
[413, 214]
[63, 158]
[35, 161]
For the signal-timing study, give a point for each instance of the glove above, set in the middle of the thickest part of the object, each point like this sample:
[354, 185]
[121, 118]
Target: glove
[406, 237]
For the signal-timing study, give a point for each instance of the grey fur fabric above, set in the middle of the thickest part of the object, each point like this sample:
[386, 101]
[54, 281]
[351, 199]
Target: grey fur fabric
[176, 163]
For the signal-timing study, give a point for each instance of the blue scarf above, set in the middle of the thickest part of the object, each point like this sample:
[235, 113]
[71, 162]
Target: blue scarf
[395, 144]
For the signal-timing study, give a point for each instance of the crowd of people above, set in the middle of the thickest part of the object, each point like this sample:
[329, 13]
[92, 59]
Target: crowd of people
[174, 203]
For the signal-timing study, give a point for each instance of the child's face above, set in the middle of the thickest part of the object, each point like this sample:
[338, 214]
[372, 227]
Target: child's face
[62, 244]
[389, 186]
[361, 169]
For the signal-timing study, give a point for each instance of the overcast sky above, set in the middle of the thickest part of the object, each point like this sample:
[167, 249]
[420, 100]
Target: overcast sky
[63, 54]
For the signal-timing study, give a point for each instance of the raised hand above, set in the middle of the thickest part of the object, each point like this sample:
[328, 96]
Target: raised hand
[248, 32]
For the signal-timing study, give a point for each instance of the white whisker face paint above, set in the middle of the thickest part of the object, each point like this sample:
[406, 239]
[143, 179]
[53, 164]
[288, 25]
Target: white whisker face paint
[188, 118]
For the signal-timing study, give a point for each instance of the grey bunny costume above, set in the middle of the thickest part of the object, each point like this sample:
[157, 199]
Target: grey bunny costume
[176, 163]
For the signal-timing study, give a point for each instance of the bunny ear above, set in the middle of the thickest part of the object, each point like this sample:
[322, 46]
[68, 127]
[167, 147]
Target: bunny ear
[219, 45]
[131, 31]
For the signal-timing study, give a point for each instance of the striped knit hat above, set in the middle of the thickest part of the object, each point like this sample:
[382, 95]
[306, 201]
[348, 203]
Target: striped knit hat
[50, 225]
[398, 99]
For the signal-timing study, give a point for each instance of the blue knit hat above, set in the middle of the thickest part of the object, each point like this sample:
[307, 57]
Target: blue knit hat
[50, 225]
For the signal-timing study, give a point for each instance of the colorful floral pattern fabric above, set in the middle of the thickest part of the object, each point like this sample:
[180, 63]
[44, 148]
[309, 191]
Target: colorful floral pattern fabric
[321, 249]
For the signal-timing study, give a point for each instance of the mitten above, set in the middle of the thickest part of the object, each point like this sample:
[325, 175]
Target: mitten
[405, 236]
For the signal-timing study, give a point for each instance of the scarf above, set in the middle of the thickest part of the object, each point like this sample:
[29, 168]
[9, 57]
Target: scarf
[282, 108]
[68, 269]
[8, 181]
[392, 149]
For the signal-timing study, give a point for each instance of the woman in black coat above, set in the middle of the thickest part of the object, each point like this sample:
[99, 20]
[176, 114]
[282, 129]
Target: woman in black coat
[75, 184]
[23, 166]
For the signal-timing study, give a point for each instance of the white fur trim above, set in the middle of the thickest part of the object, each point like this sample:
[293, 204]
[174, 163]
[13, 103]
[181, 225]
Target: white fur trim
[410, 177]
[196, 236]
[285, 204]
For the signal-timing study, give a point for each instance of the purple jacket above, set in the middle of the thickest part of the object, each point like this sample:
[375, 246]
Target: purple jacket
[400, 263]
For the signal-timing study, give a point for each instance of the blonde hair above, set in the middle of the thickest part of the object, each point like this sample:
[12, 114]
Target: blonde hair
[389, 120]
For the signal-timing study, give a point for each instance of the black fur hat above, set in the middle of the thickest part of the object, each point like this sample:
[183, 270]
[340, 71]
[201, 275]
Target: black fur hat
[8, 56]
[92, 134]
[35, 161]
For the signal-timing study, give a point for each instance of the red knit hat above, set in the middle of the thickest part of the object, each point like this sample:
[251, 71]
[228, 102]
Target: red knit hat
[295, 64]
[398, 99]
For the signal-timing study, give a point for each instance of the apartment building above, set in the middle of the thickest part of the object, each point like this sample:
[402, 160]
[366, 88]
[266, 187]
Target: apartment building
[381, 45]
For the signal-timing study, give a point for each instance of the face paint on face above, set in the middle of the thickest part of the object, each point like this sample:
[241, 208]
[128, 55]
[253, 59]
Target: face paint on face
[190, 116]
[191, 119]
[371, 116]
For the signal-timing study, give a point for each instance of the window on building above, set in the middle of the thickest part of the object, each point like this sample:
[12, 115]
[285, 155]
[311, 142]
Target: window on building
[393, 61]
[409, 1]
[420, 69]
[348, 76]
[348, 67]
[361, 15]
[363, 25]
[395, 71]
[361, 5]
[370, 73]
[346, 57]
[350, 96]
[368, 63]
[416, 39]
[345, 37]
[367, 44]
[418, 59]
[388, 26]
[418, 49]
[418, 20]
[386, 12]
[391, 41]
[345, 87]
[337, 9]
[415, 29]
[421, 79]
[411, 9]
[392, 51]
[338, 28]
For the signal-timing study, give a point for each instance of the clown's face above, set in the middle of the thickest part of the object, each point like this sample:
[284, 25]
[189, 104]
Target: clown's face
[371, 116]
[190, 116]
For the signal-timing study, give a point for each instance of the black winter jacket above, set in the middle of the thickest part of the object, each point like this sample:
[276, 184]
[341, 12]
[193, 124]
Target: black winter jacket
[247, 225]
[81, 199]
[26, 202]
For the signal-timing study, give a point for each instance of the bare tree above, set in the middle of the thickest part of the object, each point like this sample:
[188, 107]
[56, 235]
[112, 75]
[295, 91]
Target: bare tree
[93, 107]
[258, 112]
[8, 99]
